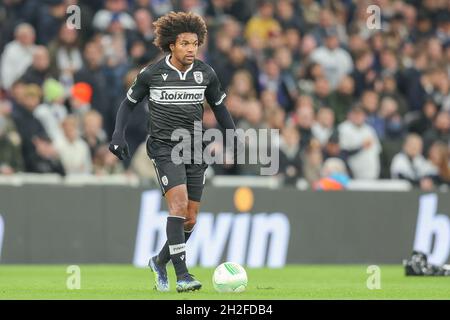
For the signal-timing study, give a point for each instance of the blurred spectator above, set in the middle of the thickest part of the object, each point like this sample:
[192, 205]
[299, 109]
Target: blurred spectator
[342, 99]
[304, 122]
[73, 151]
[441, 93]
[389, 89]
[39, 70]
[287, 16]
[115, 10]
[420, 122]
[65, 53]
[263, 24]
[272, 79]
[392, 135]
[410, 164]
[140, 41]
[237, 59]
[11, 160]
[49, 17]
[322, 93]
[363, 74]
[370, 104]
[80, 99]
[308, 76]
[332, 148]
[253, 116]
[17, 55]
[312, 162]
[283, 58]
[93, 132]
[335, 61]
[242, 85]
[360, 143]
[323, 127]
[142, 165]
[334, 176]
[39, 154]
[439, 132]
[439, 156]
[252, 119]
[328, 22]
[158, 8]
[105, 162]
[196, 6]
[93, 73]
[52, 111]
[310, 11]
[411, 78]
[275, 118]
[293, 43]
[389, 64]
[290, 155]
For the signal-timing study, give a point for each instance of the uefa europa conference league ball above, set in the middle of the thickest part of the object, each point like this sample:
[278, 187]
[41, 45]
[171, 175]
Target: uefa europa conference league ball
[230, 277]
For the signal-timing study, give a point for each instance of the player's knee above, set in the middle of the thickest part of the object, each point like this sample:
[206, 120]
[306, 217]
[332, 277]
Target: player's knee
[189, 223]
[179, 207]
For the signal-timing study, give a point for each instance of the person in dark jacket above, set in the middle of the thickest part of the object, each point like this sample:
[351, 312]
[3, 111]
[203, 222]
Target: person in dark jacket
[38, 152]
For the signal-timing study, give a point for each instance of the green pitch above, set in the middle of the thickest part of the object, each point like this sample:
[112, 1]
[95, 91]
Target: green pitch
[292, 282]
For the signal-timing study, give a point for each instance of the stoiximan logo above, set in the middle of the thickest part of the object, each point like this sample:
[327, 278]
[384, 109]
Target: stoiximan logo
[252, 239]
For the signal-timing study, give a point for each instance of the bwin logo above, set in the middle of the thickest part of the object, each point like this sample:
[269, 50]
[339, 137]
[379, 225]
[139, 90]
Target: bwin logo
[254, 240]
[429, 224]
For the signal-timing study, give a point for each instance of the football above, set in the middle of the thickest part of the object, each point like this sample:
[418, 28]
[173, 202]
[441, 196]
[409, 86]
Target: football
[230, 277]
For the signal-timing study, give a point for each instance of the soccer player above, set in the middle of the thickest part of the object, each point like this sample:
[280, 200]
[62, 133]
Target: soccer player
[176, 87]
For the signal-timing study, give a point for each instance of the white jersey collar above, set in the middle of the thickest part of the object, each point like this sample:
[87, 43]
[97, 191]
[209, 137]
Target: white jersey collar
[181, 74]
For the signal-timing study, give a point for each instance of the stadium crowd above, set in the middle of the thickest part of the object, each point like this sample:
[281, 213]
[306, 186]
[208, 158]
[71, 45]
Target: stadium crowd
[350, 101]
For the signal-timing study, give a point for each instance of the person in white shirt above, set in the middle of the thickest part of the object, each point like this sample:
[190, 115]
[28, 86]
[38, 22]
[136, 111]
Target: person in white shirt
[52, 112]
[17, 55]
[73, 151]
[335, 61]
[410, 164]
[360, 144]
[323, 127]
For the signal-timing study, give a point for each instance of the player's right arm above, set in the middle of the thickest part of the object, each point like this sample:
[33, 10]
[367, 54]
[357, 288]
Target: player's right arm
[135, 94]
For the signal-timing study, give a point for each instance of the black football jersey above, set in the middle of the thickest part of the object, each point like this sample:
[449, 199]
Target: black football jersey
[175, 98]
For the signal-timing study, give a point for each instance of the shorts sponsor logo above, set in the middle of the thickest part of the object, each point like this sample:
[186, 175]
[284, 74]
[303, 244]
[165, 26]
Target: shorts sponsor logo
[164, 180]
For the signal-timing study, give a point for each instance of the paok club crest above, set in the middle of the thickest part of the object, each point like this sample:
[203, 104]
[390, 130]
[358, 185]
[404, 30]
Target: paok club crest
[198, 77]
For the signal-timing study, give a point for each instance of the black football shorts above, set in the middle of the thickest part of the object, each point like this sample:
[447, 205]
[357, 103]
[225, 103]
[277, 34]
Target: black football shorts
[170, 174]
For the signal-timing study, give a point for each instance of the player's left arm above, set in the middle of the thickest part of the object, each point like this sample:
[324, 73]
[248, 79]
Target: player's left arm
[137, 92]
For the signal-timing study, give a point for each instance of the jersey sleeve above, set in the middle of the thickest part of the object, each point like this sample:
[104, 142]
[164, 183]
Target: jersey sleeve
[139, 88]
[214, 93]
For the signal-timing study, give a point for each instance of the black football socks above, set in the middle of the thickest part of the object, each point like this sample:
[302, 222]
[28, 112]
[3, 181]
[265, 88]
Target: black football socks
[177, 244]
[164, 254]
